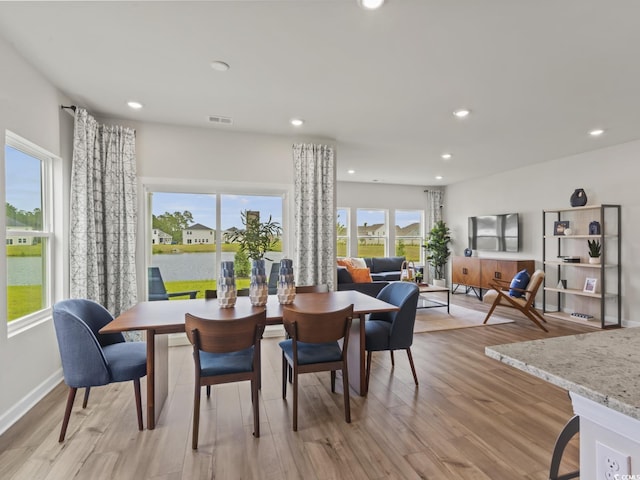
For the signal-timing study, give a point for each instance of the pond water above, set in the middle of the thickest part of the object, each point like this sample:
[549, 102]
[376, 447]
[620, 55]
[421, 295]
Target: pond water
[174, 267]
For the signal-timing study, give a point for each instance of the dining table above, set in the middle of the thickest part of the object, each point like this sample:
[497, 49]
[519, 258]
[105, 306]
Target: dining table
[160, 318]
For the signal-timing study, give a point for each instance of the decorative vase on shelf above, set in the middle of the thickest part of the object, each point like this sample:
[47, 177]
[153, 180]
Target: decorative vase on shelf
[286, 284]
[227, 286]
[594, 260]
[258, 288]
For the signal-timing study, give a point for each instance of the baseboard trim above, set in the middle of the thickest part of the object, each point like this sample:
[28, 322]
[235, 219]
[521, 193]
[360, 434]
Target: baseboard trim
[16, 412]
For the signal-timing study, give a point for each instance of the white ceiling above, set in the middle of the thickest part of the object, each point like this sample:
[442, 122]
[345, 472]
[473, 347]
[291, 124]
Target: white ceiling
[537, 74]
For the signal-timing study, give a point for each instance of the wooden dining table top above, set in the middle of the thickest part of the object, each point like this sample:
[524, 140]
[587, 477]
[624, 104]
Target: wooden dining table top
[168, 316]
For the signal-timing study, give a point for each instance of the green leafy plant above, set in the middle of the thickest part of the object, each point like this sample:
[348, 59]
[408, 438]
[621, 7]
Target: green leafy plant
[257, 237]
[437, 247]
[594, 248]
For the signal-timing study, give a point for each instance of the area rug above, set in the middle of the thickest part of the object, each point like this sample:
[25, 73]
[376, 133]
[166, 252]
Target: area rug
[435, 319]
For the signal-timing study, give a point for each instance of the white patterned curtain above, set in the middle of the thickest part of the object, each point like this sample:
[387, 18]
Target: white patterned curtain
[435, 203]
[315, 214]
[103, 214]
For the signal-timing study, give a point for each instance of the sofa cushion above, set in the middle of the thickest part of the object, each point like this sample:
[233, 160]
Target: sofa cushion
[386, 264]
[344, 276]
[389, 276]
[377, 277]
[344, 262]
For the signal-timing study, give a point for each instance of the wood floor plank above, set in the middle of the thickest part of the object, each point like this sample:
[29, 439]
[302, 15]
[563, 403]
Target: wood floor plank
[470, 417]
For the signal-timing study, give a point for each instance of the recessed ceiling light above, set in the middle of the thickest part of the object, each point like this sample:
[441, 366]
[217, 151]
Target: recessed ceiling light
[462, 113]
[219, 66]
[135, 105]
[597, 132]
[296, 122]
[351, 172]
[439, 177]
[370, 4]
[446, 156]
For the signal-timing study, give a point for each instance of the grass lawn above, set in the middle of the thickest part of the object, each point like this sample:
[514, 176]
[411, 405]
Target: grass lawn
[201, 247]
[22, 300]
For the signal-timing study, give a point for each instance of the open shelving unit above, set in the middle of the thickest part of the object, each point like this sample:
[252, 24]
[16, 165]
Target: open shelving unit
[604, 306]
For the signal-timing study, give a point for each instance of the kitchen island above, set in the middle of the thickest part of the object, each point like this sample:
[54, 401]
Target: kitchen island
[601, 370]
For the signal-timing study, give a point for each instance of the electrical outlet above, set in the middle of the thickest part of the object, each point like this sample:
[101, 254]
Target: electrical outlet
[611, 464]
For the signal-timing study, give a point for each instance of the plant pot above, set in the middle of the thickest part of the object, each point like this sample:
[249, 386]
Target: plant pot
[440, 282]
[594, 260]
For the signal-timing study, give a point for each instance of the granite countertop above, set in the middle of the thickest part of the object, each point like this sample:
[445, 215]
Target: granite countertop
[601, 366]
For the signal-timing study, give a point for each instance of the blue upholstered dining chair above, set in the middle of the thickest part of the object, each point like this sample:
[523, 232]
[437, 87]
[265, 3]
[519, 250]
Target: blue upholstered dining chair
[225, 351]
[313, 346]
[393, 330]
[91, 359]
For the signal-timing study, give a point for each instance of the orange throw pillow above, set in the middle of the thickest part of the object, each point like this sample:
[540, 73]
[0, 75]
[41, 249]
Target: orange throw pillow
[344, 262]
[360, 275]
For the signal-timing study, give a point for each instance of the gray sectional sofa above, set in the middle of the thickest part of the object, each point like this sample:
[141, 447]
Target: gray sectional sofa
[383, 270]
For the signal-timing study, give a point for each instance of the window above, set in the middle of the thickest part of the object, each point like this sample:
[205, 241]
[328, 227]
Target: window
[372, 233]
[342, 232]
[29, 231]
[190, 236]
[409, 234]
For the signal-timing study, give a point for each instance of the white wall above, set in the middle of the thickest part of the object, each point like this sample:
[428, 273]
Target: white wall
[608, 175]
[30, 107]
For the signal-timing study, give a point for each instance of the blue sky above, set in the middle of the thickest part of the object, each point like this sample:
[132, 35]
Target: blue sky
[203, 207]
[23, 180]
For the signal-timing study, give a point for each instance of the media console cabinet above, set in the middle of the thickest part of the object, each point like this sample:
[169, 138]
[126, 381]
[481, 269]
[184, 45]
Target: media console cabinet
[477, 272]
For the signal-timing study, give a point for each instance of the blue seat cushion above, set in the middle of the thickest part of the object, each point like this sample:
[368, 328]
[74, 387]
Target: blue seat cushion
[212, 364]
[390, 276]
[127, 360]
[521, 280]
[377, 334]
[312, 352]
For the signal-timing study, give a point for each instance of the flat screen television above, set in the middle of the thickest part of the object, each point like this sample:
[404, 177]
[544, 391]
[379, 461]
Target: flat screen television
[494, 233]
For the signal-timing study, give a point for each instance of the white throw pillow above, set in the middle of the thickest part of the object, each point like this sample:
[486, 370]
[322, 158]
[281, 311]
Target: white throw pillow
[358, 262]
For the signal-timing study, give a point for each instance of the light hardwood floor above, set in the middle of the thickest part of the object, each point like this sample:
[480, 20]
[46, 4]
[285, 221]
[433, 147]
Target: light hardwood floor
[471, 418]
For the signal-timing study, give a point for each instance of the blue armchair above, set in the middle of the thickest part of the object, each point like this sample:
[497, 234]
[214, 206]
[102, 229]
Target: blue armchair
[393, 330]
[91, 359]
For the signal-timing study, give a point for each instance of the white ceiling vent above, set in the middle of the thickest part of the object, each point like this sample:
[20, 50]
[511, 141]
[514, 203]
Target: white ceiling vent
[218, 120]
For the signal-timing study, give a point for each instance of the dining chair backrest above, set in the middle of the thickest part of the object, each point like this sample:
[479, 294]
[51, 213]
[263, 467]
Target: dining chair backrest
[322, 288]
[310, 327]
[224, 336]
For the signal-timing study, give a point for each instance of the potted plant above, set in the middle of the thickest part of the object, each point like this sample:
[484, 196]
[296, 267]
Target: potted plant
[437, 249]
[257, 237]
[594, 251]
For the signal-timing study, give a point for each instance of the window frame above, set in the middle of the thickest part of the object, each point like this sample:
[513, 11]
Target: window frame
[420, 237]
[385, 237]
[48, 163]
[347, 235]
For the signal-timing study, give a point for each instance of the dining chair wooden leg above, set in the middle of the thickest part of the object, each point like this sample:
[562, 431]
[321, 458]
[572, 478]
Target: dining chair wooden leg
[67, 412]
[285, 367]
[295, 401]
[86, 397]
[196, 414]
[333, 381]
[413, 368]
[366, 377]
[393, 363]
[256, 408]
[136, 391]
[345, 392]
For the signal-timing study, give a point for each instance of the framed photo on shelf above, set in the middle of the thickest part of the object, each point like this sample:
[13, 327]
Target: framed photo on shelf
[590, 285]
[560, 226]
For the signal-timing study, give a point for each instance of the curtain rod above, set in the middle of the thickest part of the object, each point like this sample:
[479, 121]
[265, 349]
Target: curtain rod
[68, 107]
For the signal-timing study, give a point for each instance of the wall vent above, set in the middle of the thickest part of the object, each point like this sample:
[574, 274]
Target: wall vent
[218, 120]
